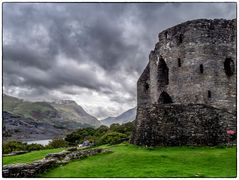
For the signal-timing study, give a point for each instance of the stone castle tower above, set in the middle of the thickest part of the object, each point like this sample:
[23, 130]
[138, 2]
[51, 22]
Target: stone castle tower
[187, 92]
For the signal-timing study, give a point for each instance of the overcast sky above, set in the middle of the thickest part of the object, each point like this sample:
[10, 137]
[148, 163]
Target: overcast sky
[92, 53]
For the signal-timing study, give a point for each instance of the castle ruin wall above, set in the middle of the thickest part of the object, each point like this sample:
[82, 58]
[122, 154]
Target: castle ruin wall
[193, 63]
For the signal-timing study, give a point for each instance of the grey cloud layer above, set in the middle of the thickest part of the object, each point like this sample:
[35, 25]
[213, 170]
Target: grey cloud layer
[102, 47]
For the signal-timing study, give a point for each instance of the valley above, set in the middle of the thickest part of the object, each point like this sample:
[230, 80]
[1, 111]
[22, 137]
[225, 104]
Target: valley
[30, 121]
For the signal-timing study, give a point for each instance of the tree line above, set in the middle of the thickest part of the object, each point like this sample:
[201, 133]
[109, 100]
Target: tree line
[114, 134]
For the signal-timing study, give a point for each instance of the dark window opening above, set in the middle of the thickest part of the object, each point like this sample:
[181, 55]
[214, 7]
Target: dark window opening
[201, 68]
[209, 94]
[146, 86]
[166, 35]
[162, 72]
[229, 67]
[179, 62]
[180, 39]
[164, 98]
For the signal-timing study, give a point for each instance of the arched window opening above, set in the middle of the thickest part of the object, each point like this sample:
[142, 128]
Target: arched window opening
[229, 67]
[179, 62]
[162, 72]
[209, 94]
[201, 68]
[164, 98]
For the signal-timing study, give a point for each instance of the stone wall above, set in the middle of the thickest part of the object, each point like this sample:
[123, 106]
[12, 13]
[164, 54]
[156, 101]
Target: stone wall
[175, 124]
[50, 161]
[143, 87]
[198, 55]
[190, 97]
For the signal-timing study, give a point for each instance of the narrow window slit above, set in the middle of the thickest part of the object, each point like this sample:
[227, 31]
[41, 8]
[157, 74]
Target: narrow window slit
[179, 62]
[180, 39]
[209, 94]
[166, 35]
[162, 72]
[201, 68]
[229, 67]
[146, 86]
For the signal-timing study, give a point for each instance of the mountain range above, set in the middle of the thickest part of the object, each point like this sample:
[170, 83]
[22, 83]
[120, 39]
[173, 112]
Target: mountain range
[125, 117]
[56, 117]
[26, 121]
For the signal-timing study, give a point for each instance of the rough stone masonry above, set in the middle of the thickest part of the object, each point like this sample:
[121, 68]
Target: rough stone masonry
[187, 92]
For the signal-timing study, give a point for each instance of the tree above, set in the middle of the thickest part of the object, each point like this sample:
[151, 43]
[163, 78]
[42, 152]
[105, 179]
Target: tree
[80, 135]
[101, 130]
[112, 138]
[34, 147]
[57, 143]
[11, 146]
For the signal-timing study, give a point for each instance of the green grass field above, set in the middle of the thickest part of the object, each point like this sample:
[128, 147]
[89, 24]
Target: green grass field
[29, 157]
[132, 161]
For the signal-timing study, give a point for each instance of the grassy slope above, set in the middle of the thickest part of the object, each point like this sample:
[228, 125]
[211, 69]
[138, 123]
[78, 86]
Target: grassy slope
[132, 161]
[25, 108]
[29, 157]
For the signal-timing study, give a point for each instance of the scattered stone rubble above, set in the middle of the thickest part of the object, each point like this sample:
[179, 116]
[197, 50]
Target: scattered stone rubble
[15, 153]
[50, 161]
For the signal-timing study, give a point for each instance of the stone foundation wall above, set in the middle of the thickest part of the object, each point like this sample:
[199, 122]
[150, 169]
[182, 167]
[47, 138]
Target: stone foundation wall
[176, 125]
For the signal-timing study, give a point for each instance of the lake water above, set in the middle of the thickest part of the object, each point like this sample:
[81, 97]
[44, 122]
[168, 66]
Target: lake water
[42, 142]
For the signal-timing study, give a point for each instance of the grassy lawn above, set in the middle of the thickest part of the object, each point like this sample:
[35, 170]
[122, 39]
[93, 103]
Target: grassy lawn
[29, 157]
[132, 161]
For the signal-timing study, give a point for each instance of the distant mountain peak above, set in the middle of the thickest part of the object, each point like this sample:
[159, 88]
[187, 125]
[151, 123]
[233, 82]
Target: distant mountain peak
[125, 117]
[65, 102]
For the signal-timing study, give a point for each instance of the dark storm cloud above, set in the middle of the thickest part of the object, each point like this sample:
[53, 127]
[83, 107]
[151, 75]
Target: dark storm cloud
[108, 37]
[102, 47]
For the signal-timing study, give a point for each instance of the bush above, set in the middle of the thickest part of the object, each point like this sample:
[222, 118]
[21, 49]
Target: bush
[34, 147]
[112, 138]
[115, 127]
[101, 130]
[126, 128]
[11, 146]
[96, 135]
[57, 143]
[80, 135]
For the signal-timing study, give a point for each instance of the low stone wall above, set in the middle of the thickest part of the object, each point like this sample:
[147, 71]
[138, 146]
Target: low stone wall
[176, 125]
[15, 153]
[51, 160]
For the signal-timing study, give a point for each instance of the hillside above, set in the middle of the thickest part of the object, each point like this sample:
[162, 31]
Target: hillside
[125, 117]
[66, 115]
[71, 111]
[20, 128]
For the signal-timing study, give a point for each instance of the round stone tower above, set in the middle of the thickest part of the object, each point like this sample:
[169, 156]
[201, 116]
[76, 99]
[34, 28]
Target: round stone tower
[192, 68]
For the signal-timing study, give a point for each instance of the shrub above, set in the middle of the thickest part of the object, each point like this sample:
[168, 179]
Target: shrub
[115, 127]
[125, 128]
[96, 135]
[232, 135]
[57, 143]
[112, 138]
[11, 146]
[34, 147]
[101, 130]
[80, 135]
